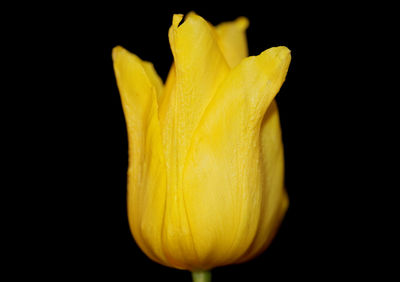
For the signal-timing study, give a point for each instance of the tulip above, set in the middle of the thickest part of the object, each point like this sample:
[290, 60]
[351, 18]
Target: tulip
[206, 165]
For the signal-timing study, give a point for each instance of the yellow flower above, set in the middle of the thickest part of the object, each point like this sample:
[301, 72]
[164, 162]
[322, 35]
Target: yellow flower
[206, 167]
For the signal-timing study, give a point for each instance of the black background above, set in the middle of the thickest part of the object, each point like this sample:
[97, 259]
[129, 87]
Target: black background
[85, 232]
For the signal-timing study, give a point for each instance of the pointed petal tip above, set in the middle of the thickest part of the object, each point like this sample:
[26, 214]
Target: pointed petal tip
[282, 53]
[179, 19]
[117, 51]
[282, 50]
[242, 23]
[192, 14]
[176, 20]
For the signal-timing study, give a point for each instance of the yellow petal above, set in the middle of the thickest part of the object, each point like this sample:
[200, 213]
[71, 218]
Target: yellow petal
[199, 68]
[275, 200]
[232, 40]
[224, 176]
[139, 86]
[233, 43]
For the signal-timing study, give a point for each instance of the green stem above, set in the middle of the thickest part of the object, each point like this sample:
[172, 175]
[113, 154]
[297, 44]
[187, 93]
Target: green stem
[201, 276]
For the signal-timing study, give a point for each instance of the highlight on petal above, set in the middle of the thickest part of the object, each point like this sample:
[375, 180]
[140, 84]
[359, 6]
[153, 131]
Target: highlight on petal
[224, 169]
[139, 86]
[232, 40]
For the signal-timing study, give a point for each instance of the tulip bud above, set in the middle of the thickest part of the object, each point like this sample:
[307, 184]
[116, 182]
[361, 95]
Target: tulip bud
[206, 166]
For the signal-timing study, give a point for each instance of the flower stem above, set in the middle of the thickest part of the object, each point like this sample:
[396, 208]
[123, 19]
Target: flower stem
[201, 276]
